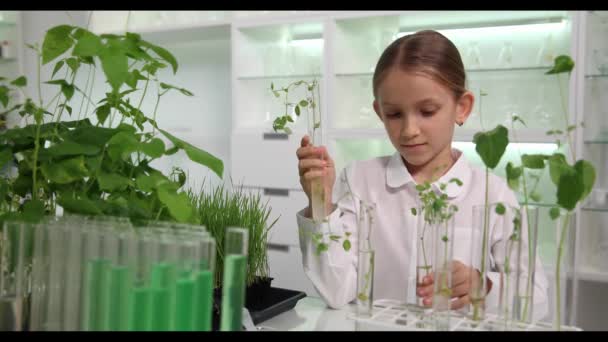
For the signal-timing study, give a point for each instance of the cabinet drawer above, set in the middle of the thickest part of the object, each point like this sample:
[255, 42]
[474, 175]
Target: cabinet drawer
[285, 263]
[265, 160]
[283, 204]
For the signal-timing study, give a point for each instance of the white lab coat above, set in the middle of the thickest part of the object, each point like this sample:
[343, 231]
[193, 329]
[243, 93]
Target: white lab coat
[386, 182]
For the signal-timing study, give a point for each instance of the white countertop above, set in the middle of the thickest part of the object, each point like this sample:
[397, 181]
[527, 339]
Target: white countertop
[312, 314]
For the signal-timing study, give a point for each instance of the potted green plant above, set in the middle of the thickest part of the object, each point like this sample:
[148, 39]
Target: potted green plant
[490, 146]
[236, 207]
[98, 164]
[93, 157]
[574, 181]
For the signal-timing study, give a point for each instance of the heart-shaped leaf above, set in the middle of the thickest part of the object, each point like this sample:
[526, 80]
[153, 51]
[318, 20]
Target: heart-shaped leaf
[57, 40]
[491, 145]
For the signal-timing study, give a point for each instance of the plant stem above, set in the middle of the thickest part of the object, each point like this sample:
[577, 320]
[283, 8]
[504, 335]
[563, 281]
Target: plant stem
[35, 171]
[86, 85]
[566, 121]
[562, 238]
[483, 247]
[86, 110]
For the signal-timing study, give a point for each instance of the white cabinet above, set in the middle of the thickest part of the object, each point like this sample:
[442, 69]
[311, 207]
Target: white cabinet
[283, 205]
[591, 253]
[265, 160]
[287, 270]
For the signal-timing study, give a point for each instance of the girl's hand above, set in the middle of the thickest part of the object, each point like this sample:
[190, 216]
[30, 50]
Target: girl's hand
[461, 285]
[314, 163]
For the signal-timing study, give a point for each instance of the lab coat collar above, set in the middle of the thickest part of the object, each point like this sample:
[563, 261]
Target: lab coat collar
[398, 175]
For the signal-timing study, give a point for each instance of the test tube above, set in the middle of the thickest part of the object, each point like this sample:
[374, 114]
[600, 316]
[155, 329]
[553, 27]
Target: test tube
[120, 282]
[16, 259]
[204, 286]
[235, 267]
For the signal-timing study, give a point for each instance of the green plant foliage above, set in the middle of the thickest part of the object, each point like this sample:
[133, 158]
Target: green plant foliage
[98, 162]
[223, 207]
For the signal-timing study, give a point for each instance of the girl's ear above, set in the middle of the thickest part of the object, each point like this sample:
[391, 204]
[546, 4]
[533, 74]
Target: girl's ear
[464, 106]
[377, 108]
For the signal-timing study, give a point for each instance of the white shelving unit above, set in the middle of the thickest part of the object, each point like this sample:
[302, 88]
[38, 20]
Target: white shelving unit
[591, 252]
[11, 61]
[506, 54]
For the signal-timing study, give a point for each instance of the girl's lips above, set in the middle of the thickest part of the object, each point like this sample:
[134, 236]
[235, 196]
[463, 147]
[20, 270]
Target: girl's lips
[413, 145]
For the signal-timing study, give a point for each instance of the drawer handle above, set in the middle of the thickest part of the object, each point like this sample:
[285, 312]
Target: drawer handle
[277, 247]
[276, 192]
[275, 136]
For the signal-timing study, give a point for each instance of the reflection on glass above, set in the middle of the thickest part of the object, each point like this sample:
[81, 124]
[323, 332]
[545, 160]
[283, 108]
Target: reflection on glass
[509, 108]
[505, 58]
[546, 53]
[540, 112]
[600, 60]
[473, 56]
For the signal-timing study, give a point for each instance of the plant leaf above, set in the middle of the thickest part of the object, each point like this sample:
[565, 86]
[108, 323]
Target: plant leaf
[155, 148]
[162, 53]
[554, 213]
[20, 81]
[70, 148]
[513, 174]
[57, 40]
[197, 155]
[533, 161]
[557, 166]
[88, 45]
[67, 90]
[115, 65]
[73, 63]
[81, 205]
[112, 181]
[121, 145]
[65, 171]
[491, 145]
[569, 189]
[4, 98]
[182, 90]
[178, 204]
[6, 155]
[102, 113]
[586, 173]
[33, 210]
[500, 209]
[562, 63]
[346, 245]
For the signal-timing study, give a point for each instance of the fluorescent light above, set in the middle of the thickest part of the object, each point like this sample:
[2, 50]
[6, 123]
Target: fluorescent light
[491, 29]
[307, 42]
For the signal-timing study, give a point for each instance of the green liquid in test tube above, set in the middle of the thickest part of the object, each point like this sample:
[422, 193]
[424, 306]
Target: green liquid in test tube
[118, 311]
[184, 311]
[95, 295]
[160, 310]
[138, 309]
[233, 285]
[233, 292]
[203, 301]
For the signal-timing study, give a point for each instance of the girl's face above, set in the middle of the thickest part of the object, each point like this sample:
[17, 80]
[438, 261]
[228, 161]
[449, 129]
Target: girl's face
[419, 114]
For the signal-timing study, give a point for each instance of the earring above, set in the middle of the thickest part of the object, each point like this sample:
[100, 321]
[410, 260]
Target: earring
[459, 123]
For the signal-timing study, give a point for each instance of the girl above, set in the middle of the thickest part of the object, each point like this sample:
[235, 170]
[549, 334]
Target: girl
[419, 94]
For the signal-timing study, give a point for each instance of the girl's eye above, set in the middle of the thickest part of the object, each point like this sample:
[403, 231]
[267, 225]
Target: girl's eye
[427, 112]
[393, 115]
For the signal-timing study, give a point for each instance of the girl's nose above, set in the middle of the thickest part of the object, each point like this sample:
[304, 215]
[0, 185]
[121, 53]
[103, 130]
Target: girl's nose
[409, 127]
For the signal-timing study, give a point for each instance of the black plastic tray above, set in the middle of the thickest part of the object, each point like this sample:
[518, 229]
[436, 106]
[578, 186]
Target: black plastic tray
[277, 301]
